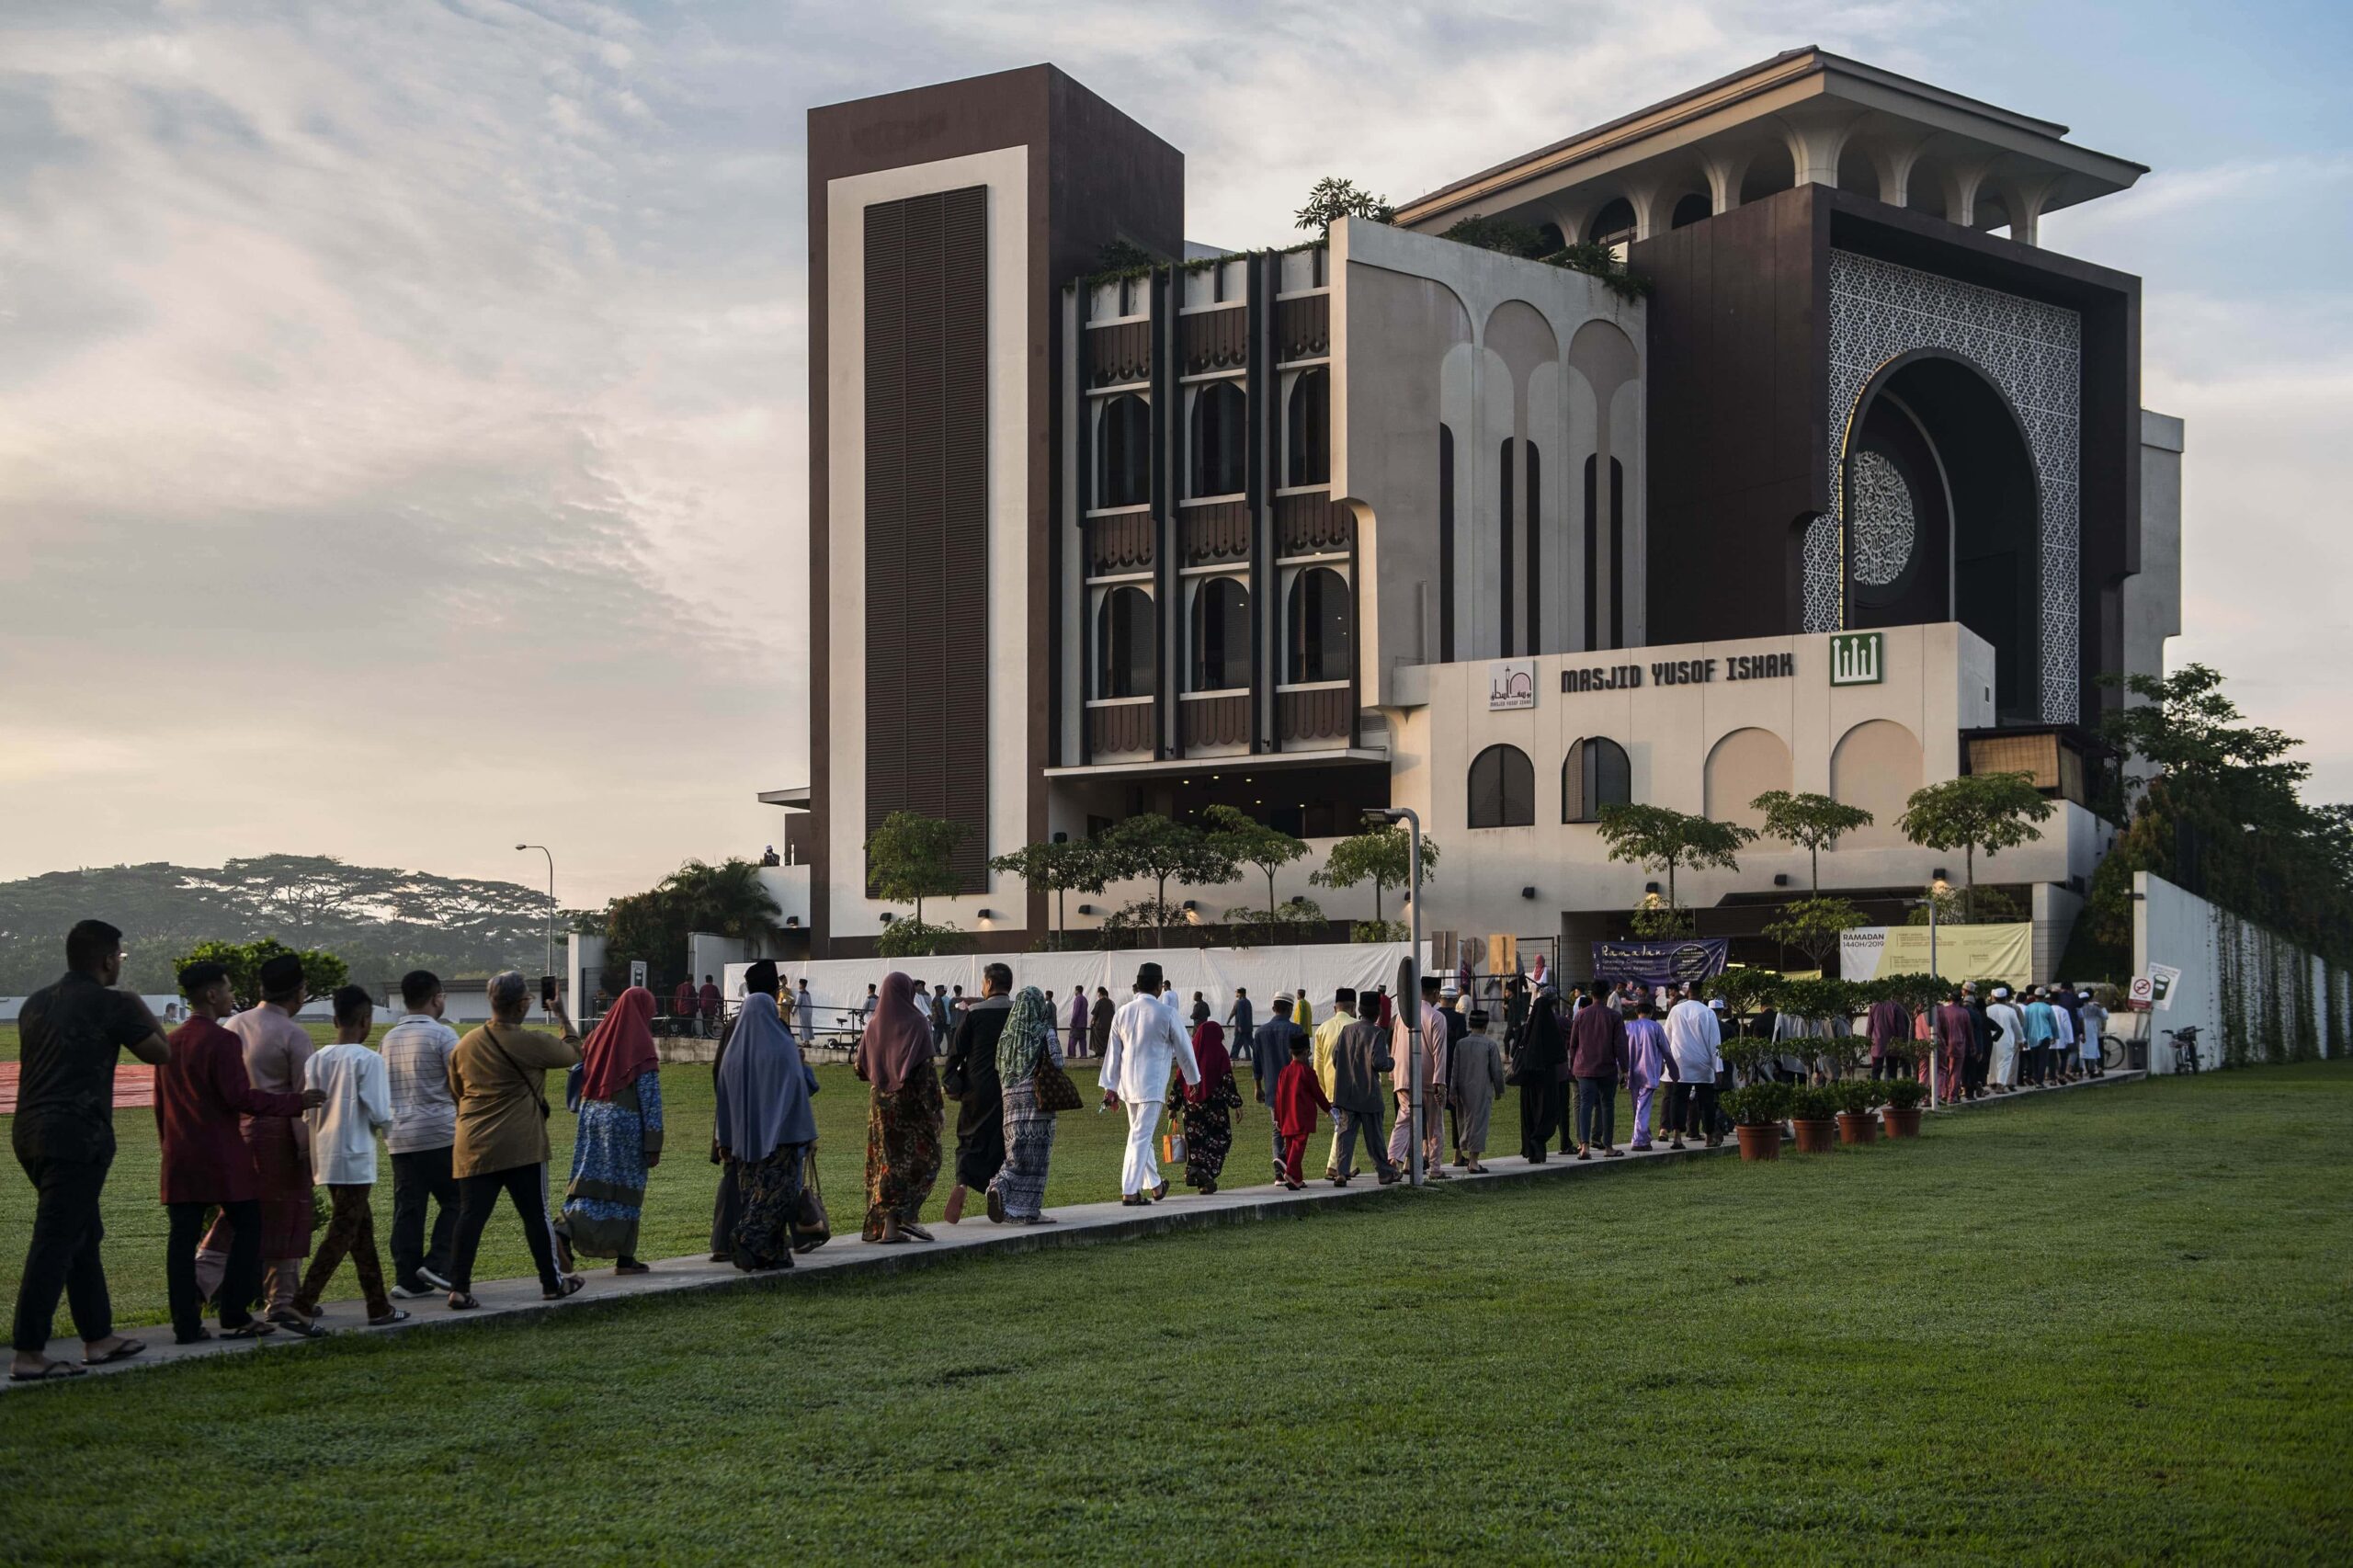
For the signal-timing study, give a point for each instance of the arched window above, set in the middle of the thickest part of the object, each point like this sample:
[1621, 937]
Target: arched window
[1503, 788]
[1550, 239]
[1316, 627]
[1123, 452]
[1595, 774]
[1307, 429]
[1221, 413]
[1613, 225]
[1123, 644]
[1220, 634]
[1692, 209]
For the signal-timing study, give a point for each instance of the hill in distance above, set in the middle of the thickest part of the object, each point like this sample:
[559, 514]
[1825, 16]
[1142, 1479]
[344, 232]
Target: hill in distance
[381, 922]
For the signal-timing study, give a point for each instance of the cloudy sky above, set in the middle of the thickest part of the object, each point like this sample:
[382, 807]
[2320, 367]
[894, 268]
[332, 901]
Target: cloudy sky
[401, 430]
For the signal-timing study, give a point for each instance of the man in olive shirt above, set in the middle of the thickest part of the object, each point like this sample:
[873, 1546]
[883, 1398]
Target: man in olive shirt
[64, 1132]
[498, 1076]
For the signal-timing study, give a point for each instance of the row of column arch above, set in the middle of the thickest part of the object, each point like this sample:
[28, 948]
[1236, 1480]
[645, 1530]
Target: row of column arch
[1876, 765]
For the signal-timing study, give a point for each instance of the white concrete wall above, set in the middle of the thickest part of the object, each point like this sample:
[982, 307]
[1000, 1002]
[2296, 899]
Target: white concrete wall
[2172, 926]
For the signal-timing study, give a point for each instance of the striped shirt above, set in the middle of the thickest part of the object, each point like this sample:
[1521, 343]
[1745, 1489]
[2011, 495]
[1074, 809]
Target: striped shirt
[416, 1055]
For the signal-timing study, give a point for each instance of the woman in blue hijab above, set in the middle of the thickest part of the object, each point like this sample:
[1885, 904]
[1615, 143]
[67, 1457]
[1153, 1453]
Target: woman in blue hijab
[764, 1126]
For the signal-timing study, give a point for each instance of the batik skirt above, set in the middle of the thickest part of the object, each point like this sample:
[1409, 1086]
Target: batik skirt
[769, 1191]
[902, 1149]
[1028, 1148]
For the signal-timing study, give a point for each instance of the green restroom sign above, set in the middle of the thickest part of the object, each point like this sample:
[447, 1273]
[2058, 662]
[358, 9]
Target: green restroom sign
[1857, 658]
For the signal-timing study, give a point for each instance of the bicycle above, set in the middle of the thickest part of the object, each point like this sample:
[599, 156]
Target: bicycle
[2185, 1048]
[2112, 1055]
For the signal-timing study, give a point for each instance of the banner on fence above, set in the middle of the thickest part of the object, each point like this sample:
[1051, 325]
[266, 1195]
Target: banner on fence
[1660, 963]
[1964, 952]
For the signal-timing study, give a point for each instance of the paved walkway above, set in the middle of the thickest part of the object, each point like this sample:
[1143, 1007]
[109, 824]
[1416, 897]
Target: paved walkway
[1085, 1223]
[135, 1086]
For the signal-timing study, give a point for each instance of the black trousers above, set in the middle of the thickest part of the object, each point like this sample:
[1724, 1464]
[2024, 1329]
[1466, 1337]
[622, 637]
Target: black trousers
[419, 1177]
[240, 1287]
[1691, 1109]
[1597, 1111]
[1886, 1068]
[64, 1256]
[726, 1209]
[477, 1196]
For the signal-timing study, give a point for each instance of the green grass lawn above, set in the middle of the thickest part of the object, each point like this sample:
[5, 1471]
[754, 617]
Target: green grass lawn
[2108, 1327]
[1087, 1146]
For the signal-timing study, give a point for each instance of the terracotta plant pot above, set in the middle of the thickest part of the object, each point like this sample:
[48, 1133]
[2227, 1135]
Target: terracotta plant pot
[1903, 1123]
[1817, 1137]
[1856, 1127]
[1760, 1142]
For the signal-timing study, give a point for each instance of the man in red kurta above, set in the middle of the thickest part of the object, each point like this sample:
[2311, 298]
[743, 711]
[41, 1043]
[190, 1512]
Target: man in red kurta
[199, 1094]
[1298, 1095]
[276, 1050]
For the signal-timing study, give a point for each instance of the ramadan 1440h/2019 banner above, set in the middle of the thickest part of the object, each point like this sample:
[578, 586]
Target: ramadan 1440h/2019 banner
[1660, 963]
[2001, 952]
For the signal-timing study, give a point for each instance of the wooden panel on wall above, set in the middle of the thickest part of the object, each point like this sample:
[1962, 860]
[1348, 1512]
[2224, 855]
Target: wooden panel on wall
[1303, 327]
[1124, 727]
[1217, 533]
[1215, 720]
[1311, 524]
[1121, 543]
[1215, 340]
[926, 507]
[1118, 353]
[1313, 715]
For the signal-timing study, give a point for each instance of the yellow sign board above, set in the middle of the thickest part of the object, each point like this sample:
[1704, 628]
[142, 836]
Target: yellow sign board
[1964, 952]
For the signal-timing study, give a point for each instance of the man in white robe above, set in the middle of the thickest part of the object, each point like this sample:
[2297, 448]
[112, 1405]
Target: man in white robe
[1147, 1040]
[2003, 1073]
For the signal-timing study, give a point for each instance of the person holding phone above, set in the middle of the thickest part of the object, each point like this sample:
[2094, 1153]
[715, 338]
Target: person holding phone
[498, 1076]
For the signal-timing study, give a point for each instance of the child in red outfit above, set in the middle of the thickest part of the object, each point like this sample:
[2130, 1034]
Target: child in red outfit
[1298, 1094]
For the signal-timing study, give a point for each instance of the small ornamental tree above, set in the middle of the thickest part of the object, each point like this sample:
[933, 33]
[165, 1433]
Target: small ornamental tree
[322, 972]
[1252, 843]
[1382, 855]
[911, 857]
[1746, 990]
[1149, 845]
[1808, 822]
[1660, 839]
[1334, 199]
[1060, 867]
[1992, 812]
[1813, 926]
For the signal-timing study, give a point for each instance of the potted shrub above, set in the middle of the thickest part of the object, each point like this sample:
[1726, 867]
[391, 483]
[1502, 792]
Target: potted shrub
[1857, 1097]
[1814, 1112]
[1756, 1110]
[1903, 1112]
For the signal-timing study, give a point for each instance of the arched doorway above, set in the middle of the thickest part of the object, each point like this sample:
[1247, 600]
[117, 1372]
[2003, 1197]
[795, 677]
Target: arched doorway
[1943, 515]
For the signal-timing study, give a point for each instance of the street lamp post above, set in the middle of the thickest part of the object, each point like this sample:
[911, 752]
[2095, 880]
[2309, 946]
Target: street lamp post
[550, 855]
[1409, 1005]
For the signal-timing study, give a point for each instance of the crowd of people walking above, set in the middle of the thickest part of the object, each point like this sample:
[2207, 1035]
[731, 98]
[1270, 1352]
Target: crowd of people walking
[253, 1121]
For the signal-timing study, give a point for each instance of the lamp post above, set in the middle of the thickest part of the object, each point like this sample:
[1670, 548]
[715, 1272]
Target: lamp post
[1412, 986]
[1936, 889]
[550, 855]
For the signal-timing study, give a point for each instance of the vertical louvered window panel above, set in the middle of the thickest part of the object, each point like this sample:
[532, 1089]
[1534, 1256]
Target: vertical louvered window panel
[926, 514]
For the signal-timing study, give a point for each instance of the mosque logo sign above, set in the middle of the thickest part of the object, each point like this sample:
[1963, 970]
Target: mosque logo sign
[1857, 658]
[1511, 683]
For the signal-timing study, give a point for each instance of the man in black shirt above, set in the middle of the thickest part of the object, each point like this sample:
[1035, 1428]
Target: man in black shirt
[970, 1071]
[69, 1034]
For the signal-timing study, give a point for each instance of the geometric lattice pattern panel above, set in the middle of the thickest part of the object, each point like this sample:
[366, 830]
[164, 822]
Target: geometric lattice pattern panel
[1885, 528]
[2034, 352]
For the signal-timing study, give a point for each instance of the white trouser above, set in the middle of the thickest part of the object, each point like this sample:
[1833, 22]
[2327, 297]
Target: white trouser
[1140, 1170]
[2003, 1069]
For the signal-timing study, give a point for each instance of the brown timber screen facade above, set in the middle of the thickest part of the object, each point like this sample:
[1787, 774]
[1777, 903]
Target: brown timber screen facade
[926, 513]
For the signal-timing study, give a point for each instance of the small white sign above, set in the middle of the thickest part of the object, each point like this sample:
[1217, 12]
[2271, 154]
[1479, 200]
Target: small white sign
[637, 972]
[1511, 683]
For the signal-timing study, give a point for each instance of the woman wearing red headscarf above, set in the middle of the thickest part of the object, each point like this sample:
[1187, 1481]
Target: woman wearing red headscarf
[1207, 1108]
[894, 1055]
[621, 1134]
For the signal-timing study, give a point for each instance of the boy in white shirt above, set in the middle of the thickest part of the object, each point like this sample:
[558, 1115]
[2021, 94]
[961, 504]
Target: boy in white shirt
[359, 1105]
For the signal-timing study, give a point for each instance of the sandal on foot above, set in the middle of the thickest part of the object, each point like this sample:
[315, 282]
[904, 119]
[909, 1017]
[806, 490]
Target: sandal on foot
[122, 1352]
[252, 1328]
[463, 1301]
[398, 1314]
[996, 1206]
[570, 1285]
[917, 1232]
[51, 1371]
